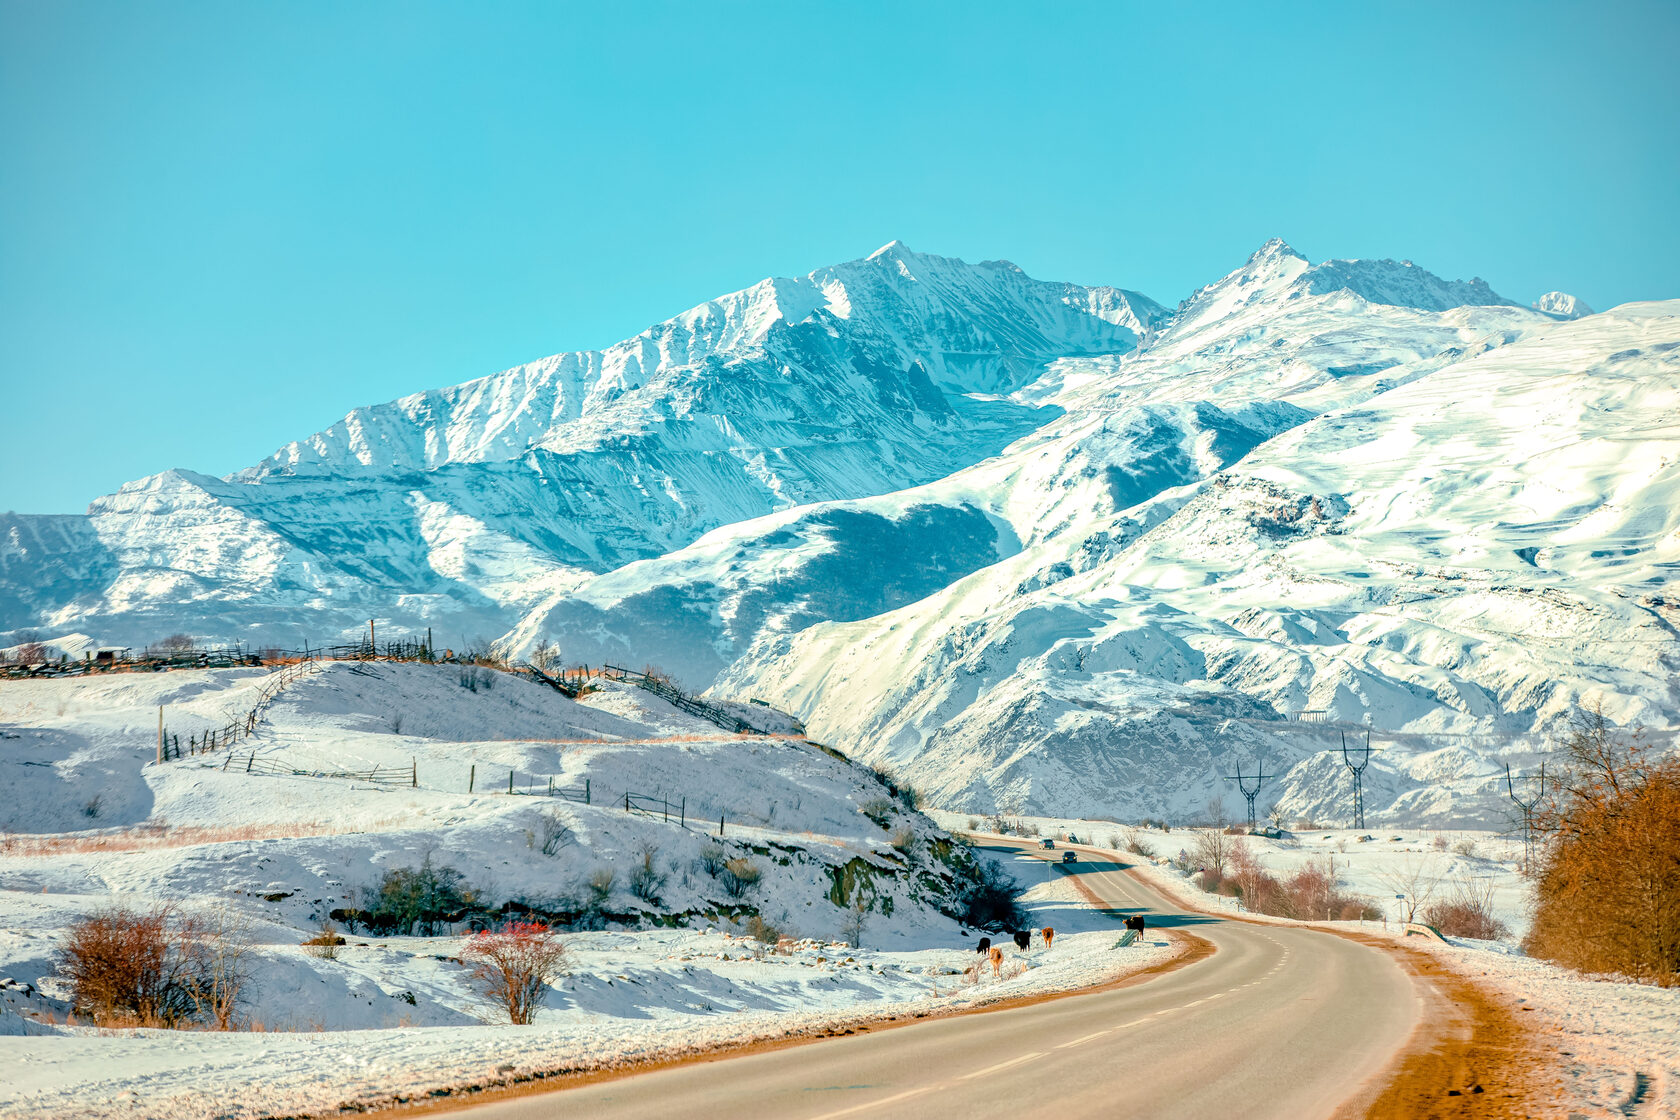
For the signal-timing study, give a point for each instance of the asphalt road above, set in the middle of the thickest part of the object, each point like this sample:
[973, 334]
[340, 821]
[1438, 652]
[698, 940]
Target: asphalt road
[1278, 1022]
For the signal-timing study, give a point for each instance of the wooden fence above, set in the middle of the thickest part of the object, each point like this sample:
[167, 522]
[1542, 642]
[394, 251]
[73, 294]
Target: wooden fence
[393, 775]
[221, 738]
[681, 700]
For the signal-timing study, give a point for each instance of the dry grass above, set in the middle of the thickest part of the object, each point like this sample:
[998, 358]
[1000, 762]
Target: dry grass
[150, 837]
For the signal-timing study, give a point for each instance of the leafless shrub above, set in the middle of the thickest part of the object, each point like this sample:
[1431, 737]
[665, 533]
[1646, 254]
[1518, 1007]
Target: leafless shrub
[514, 966]
[739, 876]
[1137, 845]
[878, 809]
[1467, 912]
[326, 941]
[646, 880]
[712, 858]
[556, 833]
[904, 839]
[762, 931]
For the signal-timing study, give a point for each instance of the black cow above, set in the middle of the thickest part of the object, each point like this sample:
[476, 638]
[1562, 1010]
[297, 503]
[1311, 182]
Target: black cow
[1135, 921]
[985, 943]
[1023, 939]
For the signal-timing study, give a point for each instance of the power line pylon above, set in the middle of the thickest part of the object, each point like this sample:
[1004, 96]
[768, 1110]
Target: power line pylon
[1242, 781]
[1357, 769]
[1527, 808]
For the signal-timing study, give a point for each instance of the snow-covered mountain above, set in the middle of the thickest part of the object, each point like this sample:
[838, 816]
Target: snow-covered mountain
[1030, 544]
[1452, 563]
[468, 505]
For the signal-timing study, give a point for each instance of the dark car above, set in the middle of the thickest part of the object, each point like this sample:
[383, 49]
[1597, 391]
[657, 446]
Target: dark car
[1070, 857]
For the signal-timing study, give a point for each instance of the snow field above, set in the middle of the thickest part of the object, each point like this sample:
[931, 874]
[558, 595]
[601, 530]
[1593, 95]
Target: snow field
[397, 1015]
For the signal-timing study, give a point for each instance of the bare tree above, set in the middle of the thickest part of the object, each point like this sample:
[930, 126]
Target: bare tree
[1212, 849]
[1415, 884]
[224, 955]
[855, 920]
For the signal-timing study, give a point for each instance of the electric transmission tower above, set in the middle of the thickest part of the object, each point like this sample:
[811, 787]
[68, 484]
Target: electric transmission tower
[1242, 781]
[1527, 808]
[1357, 769]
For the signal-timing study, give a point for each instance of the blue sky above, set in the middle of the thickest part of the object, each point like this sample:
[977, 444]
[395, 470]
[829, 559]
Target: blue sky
[224, 225]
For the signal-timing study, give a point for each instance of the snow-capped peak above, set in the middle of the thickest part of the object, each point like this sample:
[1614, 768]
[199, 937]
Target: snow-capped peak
[1275, 249]
[1563, 305]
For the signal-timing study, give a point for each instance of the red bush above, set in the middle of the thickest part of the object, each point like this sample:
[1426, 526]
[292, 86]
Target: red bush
[513, 966]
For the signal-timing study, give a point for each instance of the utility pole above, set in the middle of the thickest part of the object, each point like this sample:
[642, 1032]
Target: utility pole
[1527, 808]
[1249, 794]
[1358, 772]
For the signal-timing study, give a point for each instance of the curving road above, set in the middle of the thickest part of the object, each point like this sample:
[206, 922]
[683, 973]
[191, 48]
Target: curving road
[1279, 1022]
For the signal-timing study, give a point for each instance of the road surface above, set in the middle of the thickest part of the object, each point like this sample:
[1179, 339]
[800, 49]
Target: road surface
[1279, 1022]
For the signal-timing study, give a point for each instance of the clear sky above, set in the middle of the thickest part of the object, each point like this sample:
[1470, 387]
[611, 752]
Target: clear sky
[223, 225]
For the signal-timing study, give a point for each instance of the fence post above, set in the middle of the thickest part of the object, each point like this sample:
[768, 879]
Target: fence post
[586, 791]
[551, 785]
[160, 733]
[472, 776]
[177, 747]
[413, 772]
[682, 813]
[667, 803]
[227, 759]
[510, 781]
[249, 761]
[720, 822]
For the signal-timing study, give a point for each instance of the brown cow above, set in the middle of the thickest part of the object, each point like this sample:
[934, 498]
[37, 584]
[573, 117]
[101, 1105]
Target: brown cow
[995, 955]
[1049, 936]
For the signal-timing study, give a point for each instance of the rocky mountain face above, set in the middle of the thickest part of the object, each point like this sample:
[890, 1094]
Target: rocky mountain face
[467, 506]
[1032, 545]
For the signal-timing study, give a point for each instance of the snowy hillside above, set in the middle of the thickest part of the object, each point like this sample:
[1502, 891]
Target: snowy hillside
[79, 755]
[1453, 562]
[1030, 543]
[290, 830]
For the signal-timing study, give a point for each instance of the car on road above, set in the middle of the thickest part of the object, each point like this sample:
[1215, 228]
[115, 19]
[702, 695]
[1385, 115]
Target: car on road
[1070, 857]
[1047, 843]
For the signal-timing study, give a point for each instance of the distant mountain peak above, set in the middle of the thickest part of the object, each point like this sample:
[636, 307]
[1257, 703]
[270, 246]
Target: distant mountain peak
[1563, 305]
[893, 248]
[1400, 284]
[1275, 249]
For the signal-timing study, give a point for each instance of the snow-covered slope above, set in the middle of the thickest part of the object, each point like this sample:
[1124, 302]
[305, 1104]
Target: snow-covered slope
[1452, 562]
[1028, 541]
[470, 504]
